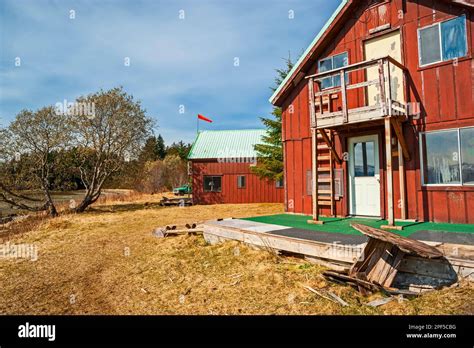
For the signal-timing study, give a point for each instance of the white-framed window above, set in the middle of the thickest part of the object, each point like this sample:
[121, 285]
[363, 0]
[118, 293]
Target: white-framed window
[331, 63]
[447, 157]
[241, 181]
[442, 41]
[212, 183]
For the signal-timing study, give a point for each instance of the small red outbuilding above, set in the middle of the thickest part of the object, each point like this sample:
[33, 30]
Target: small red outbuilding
[220, 165]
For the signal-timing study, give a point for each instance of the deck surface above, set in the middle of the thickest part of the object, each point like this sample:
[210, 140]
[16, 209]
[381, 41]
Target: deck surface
[313, 234]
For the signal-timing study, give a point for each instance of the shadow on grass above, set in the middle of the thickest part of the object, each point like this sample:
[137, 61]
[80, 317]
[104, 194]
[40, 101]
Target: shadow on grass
[117, 208]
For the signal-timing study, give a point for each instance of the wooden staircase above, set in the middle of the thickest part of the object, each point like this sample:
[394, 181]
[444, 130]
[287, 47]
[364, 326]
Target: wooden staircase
[325, 173]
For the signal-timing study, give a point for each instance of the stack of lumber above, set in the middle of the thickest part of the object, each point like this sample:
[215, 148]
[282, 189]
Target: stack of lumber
[184, 201]
[173, 230]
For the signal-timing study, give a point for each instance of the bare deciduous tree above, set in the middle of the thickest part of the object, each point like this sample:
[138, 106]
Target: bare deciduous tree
[35, 135]
[107, 139]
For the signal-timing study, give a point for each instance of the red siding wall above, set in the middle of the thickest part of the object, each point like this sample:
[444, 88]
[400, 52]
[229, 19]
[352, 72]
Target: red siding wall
[445, 92]
[255, 191]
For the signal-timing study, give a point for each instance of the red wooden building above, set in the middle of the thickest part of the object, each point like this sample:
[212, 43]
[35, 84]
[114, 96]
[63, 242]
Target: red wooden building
[378, 114]
[220, 165]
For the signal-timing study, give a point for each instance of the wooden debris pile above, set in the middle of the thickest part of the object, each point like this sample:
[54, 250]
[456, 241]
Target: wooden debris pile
[382, 259]
[173, 230]
[184, 201]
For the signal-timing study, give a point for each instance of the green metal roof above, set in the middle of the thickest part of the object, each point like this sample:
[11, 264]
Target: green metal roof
[313, 43]
[226, 144]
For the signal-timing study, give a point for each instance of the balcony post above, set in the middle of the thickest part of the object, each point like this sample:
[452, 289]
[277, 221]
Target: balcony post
[344, 96]
[382, 86]
[389, 170]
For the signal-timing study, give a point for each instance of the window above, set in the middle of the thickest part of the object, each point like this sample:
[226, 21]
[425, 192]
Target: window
[448, 157]
[331, 63]
[364, 159]
[212, 183]
[241, 181]
[279, 183]
[443, 41]
[467, 152]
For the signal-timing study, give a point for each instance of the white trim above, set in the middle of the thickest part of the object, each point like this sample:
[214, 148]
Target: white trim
[332, 68]
[422, 169]
[441, 42]
[351, 174]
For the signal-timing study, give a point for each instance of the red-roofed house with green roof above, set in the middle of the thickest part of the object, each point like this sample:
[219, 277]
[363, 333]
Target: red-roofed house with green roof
[220, 164]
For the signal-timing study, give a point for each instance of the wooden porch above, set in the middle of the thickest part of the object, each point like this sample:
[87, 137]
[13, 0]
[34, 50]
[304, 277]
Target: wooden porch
[378, 96]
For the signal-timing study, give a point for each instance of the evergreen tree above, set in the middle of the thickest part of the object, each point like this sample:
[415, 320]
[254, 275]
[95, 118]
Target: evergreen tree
[149, 151]
[160, 147]
[180, 149]
[270, 153]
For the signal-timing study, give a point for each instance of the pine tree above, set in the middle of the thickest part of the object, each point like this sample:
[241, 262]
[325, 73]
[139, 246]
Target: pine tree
[160, 147]
[150, 150]
[270, 153]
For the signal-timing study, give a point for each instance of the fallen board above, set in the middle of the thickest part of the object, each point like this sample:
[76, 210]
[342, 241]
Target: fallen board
[409, 246]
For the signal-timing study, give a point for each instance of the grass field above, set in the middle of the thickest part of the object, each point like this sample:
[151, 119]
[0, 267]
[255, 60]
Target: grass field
[106, 261]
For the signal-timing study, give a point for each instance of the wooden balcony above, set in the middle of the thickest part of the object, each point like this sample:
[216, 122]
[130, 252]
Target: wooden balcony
[369, 91]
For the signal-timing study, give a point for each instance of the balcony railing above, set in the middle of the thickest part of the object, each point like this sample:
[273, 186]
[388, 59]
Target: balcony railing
[377, 90]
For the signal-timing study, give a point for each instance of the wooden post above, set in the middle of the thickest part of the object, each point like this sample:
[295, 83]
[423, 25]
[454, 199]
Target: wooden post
[388, 87]
[382, 86]
[314, 173]
[314, 153]
[331, 175]
[401, 175]
[344, 97]
[389, 170]
[312, 111]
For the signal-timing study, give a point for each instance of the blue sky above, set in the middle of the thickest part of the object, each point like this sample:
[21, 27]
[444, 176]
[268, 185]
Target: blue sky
[173, 61]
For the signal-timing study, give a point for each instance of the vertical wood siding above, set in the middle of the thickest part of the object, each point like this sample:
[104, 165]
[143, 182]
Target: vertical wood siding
[444, 90]
[255, 191]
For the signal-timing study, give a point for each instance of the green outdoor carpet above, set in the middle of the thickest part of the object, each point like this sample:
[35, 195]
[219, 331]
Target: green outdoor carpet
[343, 225]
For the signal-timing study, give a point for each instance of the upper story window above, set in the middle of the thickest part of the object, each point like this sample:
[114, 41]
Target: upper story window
[448, 157]
[442, 41]
[331, 63]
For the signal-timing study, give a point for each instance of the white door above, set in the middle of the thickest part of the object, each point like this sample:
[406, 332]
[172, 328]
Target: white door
[379, 47]
[364, 176]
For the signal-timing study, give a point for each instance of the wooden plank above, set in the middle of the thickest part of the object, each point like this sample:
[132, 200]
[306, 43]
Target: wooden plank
[389, 170]
[330, 146]
[345, 108]
[341, 253]
[409, 246]
[312, 111]
[402, 180]
[314, 173]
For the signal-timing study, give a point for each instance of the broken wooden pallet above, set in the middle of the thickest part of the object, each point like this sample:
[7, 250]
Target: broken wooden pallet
[384, 253]
[382, 259]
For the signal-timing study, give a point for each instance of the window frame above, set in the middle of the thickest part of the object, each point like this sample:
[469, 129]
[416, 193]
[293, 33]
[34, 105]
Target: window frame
[211, 176]
[441, 42]
[332, 65]
[460, 161]
[244, 182]
[282, 181]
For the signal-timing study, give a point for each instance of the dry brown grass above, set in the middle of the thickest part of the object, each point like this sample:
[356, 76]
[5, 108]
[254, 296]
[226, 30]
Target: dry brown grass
[84, 258]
